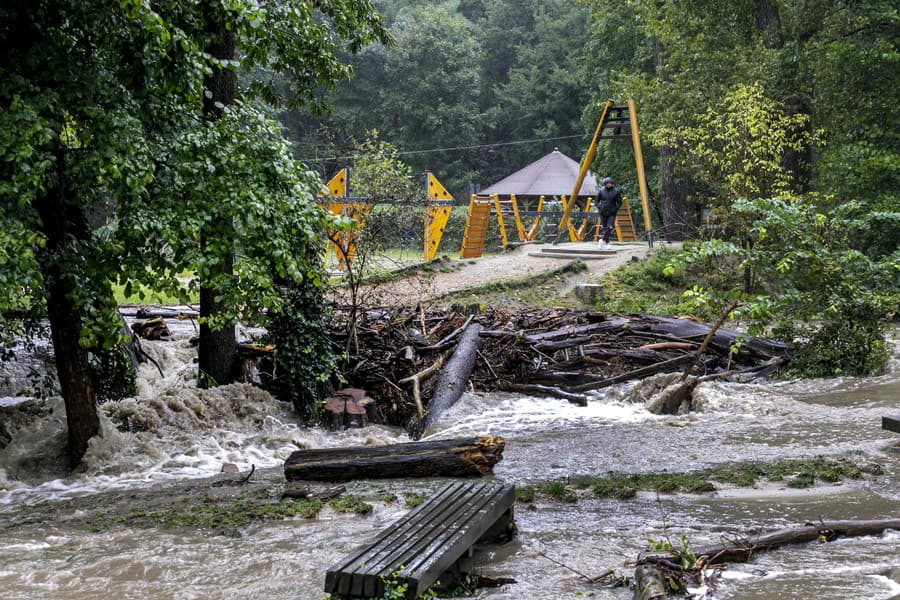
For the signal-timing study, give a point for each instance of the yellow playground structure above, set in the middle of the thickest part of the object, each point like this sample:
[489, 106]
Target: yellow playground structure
[342, 242]
[524, 194]
[519, 200]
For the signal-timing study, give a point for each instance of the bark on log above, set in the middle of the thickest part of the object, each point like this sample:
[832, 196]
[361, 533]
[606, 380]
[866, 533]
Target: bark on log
[742, 550]
[723, 338]
[464, 457]
[653, 571]
[452, 381]
[649, 583]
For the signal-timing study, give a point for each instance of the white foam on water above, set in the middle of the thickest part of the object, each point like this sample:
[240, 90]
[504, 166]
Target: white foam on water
[505, 413]
[171, 430]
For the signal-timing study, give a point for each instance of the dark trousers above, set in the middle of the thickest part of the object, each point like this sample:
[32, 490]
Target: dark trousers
[607, 225]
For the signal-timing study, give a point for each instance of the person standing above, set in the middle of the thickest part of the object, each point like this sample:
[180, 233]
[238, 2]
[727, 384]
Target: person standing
[609, 199]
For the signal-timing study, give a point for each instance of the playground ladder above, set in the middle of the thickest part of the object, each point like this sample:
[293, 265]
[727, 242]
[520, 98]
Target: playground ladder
[624, 224]
[476, 226]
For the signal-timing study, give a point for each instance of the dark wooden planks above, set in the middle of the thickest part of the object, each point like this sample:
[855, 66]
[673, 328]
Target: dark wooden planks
[425, 543]
[891, 423]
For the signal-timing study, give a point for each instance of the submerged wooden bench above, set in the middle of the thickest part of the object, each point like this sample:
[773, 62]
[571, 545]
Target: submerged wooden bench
[425, 543]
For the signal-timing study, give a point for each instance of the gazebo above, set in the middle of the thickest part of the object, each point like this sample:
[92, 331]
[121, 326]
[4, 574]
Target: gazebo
[522, 194]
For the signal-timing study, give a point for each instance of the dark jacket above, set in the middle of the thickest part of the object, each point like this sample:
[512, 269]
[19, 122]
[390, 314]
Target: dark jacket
[609, 201]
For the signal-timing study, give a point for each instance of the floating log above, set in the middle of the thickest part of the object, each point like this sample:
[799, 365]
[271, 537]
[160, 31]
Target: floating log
[151, 329]
[656, 574]
[463, 457]
[307, 493]
[742, 549]
[452, 381]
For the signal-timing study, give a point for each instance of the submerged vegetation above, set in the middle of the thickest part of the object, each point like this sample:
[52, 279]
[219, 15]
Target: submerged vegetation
[794, 473]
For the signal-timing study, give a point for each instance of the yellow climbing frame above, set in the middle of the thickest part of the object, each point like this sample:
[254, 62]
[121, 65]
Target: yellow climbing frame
[437, 213]
[613, 118]
[343, 242]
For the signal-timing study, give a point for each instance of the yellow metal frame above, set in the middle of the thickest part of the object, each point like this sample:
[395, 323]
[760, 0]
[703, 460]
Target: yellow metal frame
[639, 165]
[585, 165]
[577, 235]
[589, 158]
[536, 226]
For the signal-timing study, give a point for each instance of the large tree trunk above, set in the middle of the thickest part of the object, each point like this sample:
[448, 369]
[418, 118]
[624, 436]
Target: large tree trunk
[467, 457]
[452, 381]
[673, 192]
[62, 222]
[217, 351]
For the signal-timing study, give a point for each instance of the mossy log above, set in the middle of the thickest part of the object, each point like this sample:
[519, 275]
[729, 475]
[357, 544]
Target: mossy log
[461, 457]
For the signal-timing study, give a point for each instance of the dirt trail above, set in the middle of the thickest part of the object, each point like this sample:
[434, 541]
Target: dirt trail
[458, 275]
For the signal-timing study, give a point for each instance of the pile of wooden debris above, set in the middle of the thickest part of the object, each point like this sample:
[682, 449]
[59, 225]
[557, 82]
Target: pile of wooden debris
[409, 360]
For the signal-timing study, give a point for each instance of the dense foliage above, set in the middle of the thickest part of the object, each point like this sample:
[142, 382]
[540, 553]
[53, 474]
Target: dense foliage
[111, 169]
[460, 81]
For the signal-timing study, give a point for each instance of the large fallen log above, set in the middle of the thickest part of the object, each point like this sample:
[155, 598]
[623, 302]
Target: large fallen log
[723, 339]
[742, 549]
[462, 457]
[452, 381]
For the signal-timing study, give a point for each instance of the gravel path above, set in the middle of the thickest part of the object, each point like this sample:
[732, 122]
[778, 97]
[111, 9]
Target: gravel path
[458, 275]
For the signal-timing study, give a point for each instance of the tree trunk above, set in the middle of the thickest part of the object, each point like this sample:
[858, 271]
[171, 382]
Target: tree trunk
[466, 457]
[743, 549]
[768, 21]
[452, 381]
[217, 351]
[61, 222]
[673, 193]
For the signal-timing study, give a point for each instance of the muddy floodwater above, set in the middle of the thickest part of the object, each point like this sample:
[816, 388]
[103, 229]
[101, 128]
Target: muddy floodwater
[178, 438]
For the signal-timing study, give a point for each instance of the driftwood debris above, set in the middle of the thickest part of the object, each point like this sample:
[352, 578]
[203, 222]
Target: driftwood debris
[657, 575]
[463, 457]
[151, 329]
[307, 493]
[562, 353]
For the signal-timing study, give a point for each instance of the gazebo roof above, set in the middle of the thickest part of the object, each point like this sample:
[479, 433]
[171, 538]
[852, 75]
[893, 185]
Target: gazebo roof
[551, 175]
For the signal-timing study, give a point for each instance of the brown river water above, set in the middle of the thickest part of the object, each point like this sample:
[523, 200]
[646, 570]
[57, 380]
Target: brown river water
[184, 435]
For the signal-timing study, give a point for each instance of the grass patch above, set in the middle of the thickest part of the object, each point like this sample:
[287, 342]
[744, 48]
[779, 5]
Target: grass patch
[350, 503]
[206, 513]
[414, 500]
[663, 285]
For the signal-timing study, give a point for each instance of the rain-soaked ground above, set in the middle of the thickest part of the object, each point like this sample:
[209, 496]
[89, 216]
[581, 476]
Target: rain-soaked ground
[182, 436]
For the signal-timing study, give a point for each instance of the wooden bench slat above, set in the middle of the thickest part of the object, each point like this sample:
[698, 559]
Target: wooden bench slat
[390, 556]
[891, 423]
[425, 542]
[432, 563]
[355, 560]
[433, 530]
